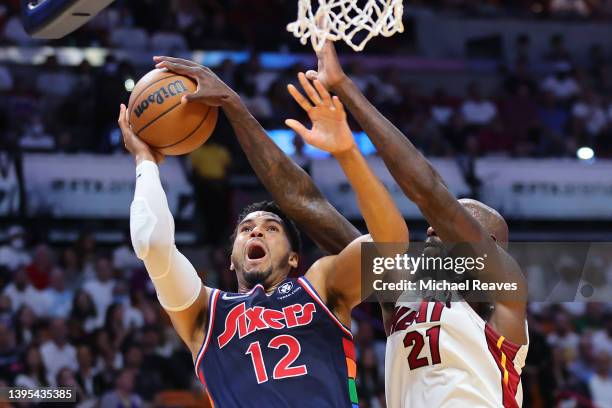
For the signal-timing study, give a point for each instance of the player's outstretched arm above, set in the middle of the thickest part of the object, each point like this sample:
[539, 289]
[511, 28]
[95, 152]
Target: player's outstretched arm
[425, 187]
[289, 185]
[330, 132]
[179, 289]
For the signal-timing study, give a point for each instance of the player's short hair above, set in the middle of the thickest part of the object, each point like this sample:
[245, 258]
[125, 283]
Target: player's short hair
[293, 233]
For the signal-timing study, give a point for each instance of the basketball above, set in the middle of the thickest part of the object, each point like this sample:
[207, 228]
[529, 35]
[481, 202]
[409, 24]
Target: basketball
[158, 117]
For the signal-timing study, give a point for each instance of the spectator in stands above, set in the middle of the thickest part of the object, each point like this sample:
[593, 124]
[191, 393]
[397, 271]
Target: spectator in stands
[600, 383]
[86, 371]
[476, 110]
[589, 112]
[520, 113]
[35, 138]
[55, 81]
[147, 382]
[86, 249]
[582, 367]
[57, 296]
[10, 364]
[101, 288]
[25, 325]
[56, 352]
[84, 311]
[33, 374]
[123, 395]
[441, 108]
[65, 378]
[20, 291]
[602, 339]
[369, 382]
[114, 326]
[522, 45]
[14, 255]
[167, 41]
[73, 271]
[132, 316]
[520, 77]
[107, 371]
[564, 337]
[39, 271]
[562, 83]
[210, 164]
[124, 257]
[552, 116]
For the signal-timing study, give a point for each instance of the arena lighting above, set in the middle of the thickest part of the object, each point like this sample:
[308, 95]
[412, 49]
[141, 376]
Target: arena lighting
[585, 153]
[129, 84]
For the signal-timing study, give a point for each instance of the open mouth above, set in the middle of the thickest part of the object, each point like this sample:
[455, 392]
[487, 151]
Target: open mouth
[255, 251]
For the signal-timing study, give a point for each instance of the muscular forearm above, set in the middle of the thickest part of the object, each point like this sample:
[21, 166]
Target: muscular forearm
[385, 222]
[410, 169]
[289, 185]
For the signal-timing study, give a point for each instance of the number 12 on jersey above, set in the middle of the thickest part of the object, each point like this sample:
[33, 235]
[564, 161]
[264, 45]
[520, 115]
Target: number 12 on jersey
[282, 369]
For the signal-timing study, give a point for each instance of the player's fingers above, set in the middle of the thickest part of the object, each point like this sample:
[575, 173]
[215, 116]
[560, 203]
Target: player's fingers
[310, 91]
[312, 74]
[122, 121]
[160, 58]
[177, 68]
[297, 127]
[299, 98]
[191, 96]
[323, 92]
[337, 104]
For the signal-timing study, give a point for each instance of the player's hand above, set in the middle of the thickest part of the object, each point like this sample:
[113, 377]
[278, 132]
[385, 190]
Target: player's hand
[211, 89]
[139, 149]
[330, 130]
[329, 71]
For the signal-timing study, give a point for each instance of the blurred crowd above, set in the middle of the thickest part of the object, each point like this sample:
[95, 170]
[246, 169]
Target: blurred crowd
[547, 113]
[85, 315]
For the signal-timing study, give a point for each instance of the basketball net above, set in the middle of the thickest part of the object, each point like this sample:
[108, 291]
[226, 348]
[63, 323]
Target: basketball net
[343, 19]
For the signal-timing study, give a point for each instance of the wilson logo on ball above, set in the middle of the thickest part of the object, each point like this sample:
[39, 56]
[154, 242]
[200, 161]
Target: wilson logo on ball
[172, 89]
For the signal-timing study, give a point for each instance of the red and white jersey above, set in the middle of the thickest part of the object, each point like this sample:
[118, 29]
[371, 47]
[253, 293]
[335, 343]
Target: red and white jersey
[445, 355]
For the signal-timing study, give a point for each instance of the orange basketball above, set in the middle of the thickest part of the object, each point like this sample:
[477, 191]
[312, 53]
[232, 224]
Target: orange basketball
[160, 119]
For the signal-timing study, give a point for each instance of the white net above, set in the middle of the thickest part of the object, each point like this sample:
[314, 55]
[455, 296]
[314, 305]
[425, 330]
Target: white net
[345, 20]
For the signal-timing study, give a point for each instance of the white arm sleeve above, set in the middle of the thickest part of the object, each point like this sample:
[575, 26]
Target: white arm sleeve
[152, 232]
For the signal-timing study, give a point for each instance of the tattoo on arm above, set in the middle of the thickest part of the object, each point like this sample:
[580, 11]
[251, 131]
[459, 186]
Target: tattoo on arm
[290, 186]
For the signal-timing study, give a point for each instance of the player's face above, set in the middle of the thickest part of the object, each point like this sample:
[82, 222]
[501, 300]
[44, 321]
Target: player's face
[262, 252]
[433, 245]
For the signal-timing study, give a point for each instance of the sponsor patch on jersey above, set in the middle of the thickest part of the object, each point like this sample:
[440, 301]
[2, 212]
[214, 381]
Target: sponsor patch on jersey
[287, 289]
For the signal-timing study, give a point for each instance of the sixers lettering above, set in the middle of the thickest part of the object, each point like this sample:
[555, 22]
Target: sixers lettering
[278, 342]
[245, 322]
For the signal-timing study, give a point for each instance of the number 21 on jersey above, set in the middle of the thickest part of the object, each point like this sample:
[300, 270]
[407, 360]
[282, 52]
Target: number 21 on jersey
[415, 340]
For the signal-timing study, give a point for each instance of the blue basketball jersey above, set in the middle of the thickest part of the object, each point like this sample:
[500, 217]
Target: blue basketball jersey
[284, 349]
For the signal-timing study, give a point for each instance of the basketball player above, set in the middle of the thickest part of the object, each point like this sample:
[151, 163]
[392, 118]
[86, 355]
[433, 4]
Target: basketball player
[481, 356]
[278, 342]
[444, 355]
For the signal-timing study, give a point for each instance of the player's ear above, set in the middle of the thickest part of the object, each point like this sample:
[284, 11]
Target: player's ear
[293, 259]
[232, 268]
